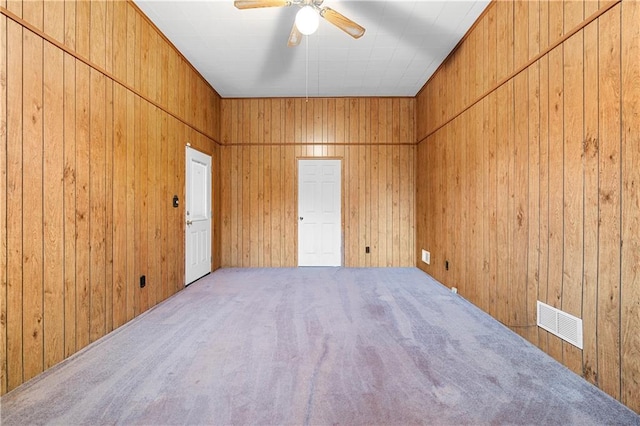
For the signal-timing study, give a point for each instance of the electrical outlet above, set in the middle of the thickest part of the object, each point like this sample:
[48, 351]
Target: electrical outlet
[426, 257]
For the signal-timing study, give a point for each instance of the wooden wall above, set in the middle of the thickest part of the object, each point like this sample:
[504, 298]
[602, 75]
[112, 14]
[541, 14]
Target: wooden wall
[261, 141]
[96, 110]
[527, 177]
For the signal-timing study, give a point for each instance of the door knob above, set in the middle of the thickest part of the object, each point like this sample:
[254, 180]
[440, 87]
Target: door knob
[301, 218]
[189, 222]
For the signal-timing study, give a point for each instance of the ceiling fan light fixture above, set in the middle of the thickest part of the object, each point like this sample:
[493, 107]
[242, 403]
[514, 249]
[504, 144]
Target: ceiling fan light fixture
[307, 20]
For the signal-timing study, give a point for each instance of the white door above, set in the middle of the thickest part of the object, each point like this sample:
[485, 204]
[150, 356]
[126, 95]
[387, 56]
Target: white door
[198, 214]
[319, 213]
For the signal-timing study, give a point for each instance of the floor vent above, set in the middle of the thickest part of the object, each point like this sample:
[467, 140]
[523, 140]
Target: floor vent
[562, 324]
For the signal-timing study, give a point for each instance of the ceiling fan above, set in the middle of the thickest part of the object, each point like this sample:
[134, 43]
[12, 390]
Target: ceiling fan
[310, 10]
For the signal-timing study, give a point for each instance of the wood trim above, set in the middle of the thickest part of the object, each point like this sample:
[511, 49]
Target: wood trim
[320, 143]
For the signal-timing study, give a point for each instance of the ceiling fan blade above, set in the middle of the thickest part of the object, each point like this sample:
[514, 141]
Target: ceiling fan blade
[295, 37]
[252, 4]
[342, 22]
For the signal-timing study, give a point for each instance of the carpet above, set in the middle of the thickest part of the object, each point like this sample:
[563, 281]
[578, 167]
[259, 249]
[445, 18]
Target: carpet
[312, 346]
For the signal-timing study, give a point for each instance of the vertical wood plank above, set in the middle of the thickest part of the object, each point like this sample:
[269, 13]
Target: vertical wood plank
[573, 189]
[291, 209]
[83, 173]
[458, 155]
[119, 206]
[3, 200]
[267, 185]
[33, 13]
[237, 249]
[340, 121]
[153, 231]
[180, 173]
[54, 19]
[610, 232]
[483, 204]
[14, 271]
[217, 217]
[152, 74]
[556, 21]
[225, 201]
[544, 184]
[375, 219]
[492, 187]
[53, 203]
[363, 225]
[141, 232]
[97, 227]
[166, 199]
[108, 202]
[474, 263]
[70, 23]
[502, 243]
[83, 27]
[119, 41]
[519, 220]
[395, 183]
[131, 245]
[556, 173]
[235, 191]
[252, 174]
[246, 227]
[15, 6]
[276, 184]
[32, 218]
[573, 14]
[630, 294]
[534, 28]
[69, 103]
[533, 249]
[518, 176]
[591, 162]
[131, 51]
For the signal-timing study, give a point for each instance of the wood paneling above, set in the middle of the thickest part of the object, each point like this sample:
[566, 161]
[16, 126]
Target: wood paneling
[14, 203]
[53, 205]
[559, 180]
[32, 216]
[630, 292]
[525, 179]
[591, 219]
[3, 197]
[609, 237]
[262, 139]
[91, 153]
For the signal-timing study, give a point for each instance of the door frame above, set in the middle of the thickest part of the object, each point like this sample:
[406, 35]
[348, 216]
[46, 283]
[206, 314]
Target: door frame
[185, 218]
[342, 213]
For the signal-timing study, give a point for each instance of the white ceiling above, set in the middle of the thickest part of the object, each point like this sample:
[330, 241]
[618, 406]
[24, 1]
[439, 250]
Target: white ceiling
[244, 53]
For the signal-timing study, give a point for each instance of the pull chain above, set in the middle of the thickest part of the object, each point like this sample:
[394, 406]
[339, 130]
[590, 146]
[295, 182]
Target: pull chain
[306, 74]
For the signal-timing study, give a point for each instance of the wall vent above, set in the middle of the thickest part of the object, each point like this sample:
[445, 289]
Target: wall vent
[562, 324]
